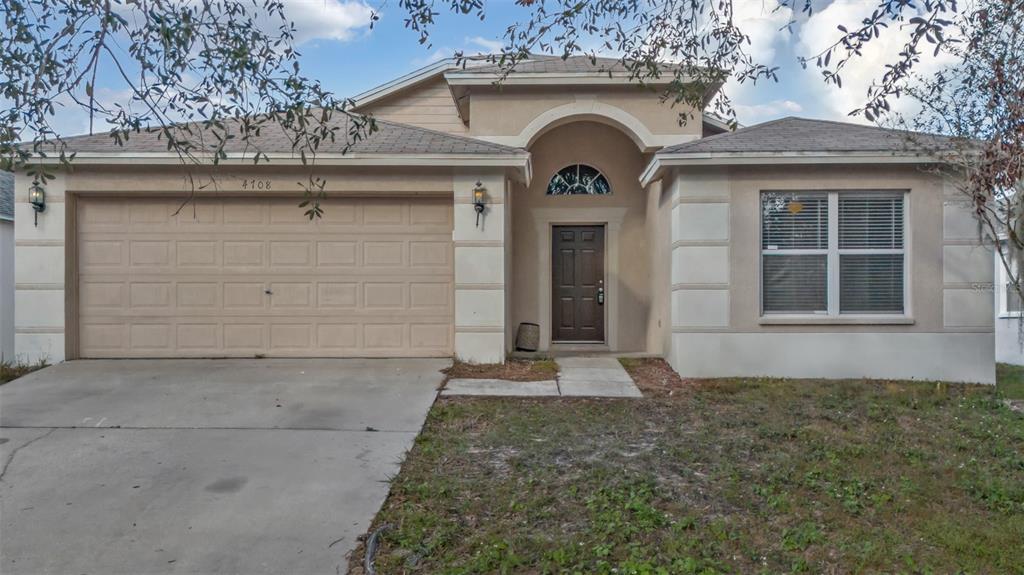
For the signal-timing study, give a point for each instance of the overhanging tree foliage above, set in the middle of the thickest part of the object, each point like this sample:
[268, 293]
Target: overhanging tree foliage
[202, 72]
[980, 100]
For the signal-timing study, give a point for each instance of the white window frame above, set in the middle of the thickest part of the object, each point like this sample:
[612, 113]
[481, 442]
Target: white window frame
[832, 314]
[1003, 283]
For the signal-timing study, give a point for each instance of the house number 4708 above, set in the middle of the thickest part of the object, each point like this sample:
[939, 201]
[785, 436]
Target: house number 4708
[255, 184]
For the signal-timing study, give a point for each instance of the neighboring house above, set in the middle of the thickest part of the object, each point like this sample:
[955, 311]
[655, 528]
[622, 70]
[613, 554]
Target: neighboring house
[1009, 337]
[6, 267]
[796, 247]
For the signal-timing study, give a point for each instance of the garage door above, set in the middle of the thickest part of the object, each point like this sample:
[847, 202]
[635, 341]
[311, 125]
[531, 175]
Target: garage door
[249, 277]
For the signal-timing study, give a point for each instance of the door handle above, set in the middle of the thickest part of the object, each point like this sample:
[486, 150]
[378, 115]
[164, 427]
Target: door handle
[600, 296]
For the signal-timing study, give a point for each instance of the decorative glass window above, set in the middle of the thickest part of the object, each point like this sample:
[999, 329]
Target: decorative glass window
[578, 179]
[833, 253]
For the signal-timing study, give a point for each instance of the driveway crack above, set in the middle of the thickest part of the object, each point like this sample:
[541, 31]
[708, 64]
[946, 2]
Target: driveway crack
[10, 456]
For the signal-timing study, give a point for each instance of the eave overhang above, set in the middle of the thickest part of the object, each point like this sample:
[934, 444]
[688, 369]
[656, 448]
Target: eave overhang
[657, 166]
[520, 163]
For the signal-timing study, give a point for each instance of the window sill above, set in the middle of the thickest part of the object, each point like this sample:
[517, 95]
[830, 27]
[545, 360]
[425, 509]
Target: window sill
[837, 320]
[1010, 315]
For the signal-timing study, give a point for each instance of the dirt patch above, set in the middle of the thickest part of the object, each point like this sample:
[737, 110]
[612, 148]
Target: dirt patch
[513, 370]
[654, 376]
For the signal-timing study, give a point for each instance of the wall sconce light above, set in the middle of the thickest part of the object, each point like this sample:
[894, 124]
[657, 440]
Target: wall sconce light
[479, 200]
[37, 197]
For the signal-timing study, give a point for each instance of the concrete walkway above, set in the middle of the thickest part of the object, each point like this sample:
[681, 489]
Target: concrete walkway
[578, 377]
[595, 377]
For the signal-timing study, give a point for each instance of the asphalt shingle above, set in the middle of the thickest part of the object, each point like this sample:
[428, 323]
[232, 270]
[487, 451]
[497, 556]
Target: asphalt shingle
[806, 135]
[390, 138]
[546, 64]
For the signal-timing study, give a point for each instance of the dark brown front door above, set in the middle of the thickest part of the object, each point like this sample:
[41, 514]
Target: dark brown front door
[577, 279]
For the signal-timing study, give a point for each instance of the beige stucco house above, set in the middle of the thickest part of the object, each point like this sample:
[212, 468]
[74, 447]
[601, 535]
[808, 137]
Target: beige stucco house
[793, 248]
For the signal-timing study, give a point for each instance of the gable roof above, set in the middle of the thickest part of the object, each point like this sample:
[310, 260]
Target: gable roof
[415, 77]
[484, 69]
[392, 144]
[793, 134]
[554, 70]
[389, 138]
[803, 141]
[6, 196]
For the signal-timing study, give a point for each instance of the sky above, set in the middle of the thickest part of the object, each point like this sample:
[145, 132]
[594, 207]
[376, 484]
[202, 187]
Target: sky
[341, 50]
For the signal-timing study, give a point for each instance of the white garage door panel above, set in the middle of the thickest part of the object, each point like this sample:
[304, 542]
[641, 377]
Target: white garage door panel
[373, 278]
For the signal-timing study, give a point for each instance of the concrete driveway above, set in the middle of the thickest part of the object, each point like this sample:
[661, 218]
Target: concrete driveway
[202, 466]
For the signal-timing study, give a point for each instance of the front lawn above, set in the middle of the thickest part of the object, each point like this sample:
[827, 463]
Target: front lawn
[729, 476]
[1010, 380]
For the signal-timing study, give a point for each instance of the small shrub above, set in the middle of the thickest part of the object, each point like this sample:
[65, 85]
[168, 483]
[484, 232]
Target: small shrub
[10, 371]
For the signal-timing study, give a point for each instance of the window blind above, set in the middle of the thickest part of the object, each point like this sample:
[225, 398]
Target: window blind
[871, 283]
[870, 221]
[795, 283]
[794, 221]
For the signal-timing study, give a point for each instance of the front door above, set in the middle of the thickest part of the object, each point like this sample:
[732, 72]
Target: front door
[577, 279]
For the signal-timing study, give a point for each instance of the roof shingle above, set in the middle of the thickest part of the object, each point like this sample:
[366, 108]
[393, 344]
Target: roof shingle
[390, 138]
[805, 135]
[547, 64]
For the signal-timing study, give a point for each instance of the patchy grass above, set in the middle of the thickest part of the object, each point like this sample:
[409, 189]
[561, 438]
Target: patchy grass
[1010, 380]
[654, 376]
[11, 371]
[513, 369]
[725, 476]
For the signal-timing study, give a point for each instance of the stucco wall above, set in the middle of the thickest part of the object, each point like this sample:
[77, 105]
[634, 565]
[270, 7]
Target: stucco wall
[659, 245]
[514, 114]
[628, 304]
[717, 325]
[428, 105]
[6, 290]
[1009, 347]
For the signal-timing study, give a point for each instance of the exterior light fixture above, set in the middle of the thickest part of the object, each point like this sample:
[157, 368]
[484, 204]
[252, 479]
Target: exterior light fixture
[479, 199]
[37, 197]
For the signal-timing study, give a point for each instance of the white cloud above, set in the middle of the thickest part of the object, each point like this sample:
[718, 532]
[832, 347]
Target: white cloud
[486, 46]
[327, 19]
[763, 21]
[820, 31]
[748, 114]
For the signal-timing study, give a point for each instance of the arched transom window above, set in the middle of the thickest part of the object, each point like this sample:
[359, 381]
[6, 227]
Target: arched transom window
[578, 179]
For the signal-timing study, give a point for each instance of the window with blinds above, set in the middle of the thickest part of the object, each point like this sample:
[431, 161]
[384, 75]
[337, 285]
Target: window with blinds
[794, 244]
[833, 253]
[871, 252]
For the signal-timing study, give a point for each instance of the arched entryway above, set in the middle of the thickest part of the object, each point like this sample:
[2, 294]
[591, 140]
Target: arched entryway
[581, 265]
